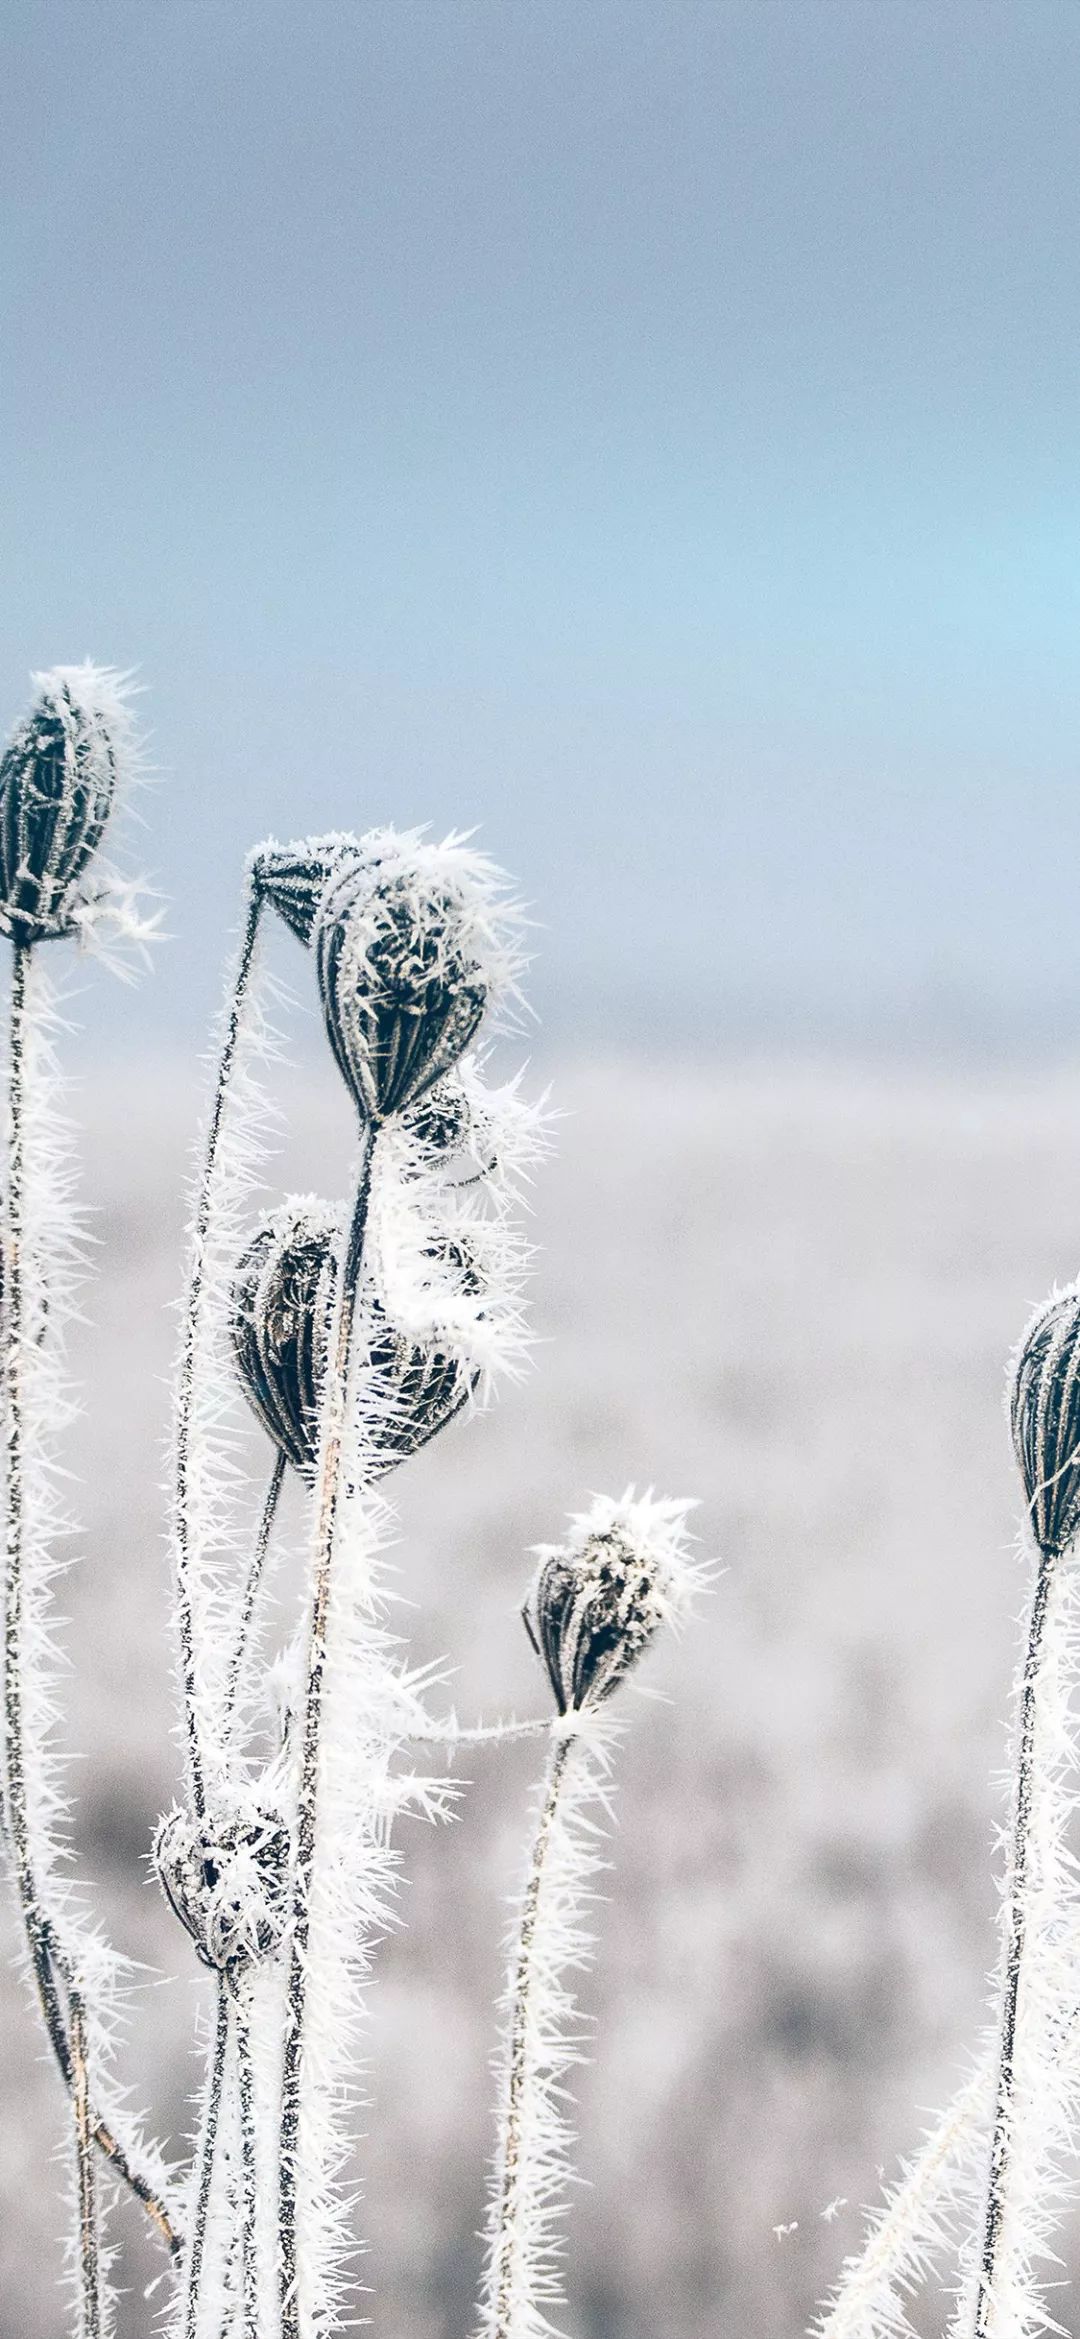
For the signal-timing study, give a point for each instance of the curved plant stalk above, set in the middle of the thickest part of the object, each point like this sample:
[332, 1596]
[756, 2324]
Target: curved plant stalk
[926, 2214]
[335, 1389]
[532, 2170]
[253, 1586]
[203, 1526]
[41, 1259]
[1037, 2049]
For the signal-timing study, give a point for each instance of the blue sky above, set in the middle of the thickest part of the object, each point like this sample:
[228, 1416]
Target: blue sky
[647, 430]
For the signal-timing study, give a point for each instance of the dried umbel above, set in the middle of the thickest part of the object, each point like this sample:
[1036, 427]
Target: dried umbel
[282, 1300]
[294, 877]
[409, 948]
[599, 1597]
[227, 1879]
[283, 1296]
[58, 782]
[1044, 1413]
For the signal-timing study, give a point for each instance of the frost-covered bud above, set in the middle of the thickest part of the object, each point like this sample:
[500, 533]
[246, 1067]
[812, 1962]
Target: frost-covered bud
[598, 1598]
[282, 1300]
[58, 781]
[227, 1878]
[442, 1121]
[1044, 1413]
[411, 941]
[294, 877]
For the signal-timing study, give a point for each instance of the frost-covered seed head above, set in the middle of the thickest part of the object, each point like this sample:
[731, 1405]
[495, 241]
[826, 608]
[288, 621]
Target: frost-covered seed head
[1044, 1412]
[283, 1295]
[411, 939]
[294, 877]
[599, 1597]
[227, 1879]
[442, 1121]
[58, 781]
[282, 1301]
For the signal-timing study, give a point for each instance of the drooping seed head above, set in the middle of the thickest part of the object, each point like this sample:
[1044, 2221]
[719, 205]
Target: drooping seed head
[58, 781]
[294, 877]
[599, 1597]
[283, 1297]
[282, 1302]
[1044, 1413]
[227, 1879]
[411, 940]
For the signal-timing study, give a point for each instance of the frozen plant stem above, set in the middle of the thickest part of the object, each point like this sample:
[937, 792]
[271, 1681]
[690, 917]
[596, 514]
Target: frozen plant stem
[188, 1358]
[1016, 1932]
[207, 2152]
[335, 1390]
[252, 1586]
[510, 2245]
[86, 2185]
[51, 1967]
[245, 2088]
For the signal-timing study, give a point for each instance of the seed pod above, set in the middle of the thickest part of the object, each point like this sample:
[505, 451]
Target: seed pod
[591, 1617]
[282, 1300]
[58, 780]
[294, 877]
[1044, 1416]
[283, 1295]
[442, 1121]
[598, 1598]
[402, 991]
[227, 1880]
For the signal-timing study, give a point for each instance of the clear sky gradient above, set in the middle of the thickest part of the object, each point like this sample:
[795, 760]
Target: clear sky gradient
[647, 428]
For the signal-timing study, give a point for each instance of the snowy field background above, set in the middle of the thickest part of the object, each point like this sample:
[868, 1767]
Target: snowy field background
[789, 1289]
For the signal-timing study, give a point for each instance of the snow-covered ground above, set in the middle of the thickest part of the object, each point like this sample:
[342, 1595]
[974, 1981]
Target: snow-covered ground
[787, 1289]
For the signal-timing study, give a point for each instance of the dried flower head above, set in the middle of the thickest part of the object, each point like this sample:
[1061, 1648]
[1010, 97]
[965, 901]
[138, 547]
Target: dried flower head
[58, 781]
[412, 940]
[599, 1597]
[227, 1880]
[1044, 1412]
[282, 1300]
[294, 877]
[283, 1295]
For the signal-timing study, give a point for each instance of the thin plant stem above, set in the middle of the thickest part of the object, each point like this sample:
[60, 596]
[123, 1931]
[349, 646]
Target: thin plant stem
[50, 1965]
[85, 2176]
[452, 1733]
[188, 1356]
[1015, 1941]
[334, 1402]
[245, 2088]
[207, 2154]
[507, 2220]
[253, 1586]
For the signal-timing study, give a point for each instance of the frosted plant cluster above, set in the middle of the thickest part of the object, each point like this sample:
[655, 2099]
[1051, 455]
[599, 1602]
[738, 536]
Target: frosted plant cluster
[354, 1330]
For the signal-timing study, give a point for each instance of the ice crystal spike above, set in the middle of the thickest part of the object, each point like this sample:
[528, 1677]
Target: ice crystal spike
[282, 1300]
[599, 1597]
[281, 1303]
[58, 781]
[294, 877]
[402, 989]
[227, 1881]
[1045, 1419]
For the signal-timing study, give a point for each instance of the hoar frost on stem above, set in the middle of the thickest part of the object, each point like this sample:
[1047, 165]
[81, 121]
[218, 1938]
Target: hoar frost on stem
[597, 1601]
[60, 776]
[412, 943]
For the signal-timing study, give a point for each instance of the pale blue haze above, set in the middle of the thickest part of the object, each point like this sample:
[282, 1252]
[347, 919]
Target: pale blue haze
[648, 428]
